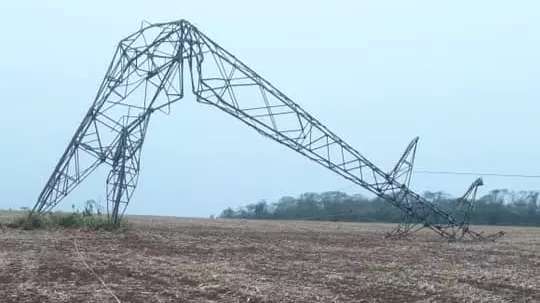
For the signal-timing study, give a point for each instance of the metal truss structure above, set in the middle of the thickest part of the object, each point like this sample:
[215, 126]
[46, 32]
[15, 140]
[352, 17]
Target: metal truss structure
[464, 210]
[402, 173]
[146, 76]
[403, 170]
[465, 204]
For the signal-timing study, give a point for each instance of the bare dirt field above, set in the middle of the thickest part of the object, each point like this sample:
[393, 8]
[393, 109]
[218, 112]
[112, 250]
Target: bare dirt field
[198, 260]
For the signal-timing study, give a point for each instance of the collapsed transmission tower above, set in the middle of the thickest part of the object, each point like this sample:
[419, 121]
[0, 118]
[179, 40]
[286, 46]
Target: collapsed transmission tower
[146, 76]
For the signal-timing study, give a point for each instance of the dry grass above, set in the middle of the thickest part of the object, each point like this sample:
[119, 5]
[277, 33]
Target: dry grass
[197, 260]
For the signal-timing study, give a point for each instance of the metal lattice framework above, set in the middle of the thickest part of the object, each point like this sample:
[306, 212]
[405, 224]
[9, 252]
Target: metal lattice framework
[403, 170]
[464, 209]
[402, 173]
[146, 76]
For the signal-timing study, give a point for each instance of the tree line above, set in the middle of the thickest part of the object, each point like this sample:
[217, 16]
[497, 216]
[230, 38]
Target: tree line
[498, 207]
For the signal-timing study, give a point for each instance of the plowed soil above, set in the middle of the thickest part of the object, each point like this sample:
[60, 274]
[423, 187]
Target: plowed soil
[197, 260]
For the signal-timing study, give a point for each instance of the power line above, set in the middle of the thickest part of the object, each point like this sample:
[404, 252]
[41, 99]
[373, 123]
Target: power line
[431, 172]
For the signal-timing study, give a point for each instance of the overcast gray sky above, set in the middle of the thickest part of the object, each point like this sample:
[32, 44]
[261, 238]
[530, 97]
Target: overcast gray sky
[462, 75]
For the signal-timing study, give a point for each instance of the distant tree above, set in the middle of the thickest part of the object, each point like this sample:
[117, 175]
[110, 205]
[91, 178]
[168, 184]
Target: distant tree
[227, 213]
[499, 206]
[436, 196]
[261, 209]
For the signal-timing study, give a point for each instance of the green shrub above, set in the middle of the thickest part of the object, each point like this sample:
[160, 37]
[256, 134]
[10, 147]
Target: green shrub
[67, 220]
[25, 222]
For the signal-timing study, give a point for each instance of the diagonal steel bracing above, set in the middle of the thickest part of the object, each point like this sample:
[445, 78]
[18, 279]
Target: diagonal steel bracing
[146, 76]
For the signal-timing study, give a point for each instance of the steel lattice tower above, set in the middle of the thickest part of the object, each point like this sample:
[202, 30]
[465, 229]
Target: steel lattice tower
[146, 76]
